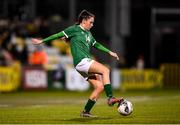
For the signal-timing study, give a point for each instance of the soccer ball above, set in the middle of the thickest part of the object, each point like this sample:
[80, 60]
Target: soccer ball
[125, 108]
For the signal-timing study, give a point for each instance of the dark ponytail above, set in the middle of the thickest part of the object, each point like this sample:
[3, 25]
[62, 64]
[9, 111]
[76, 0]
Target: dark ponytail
[84, 15]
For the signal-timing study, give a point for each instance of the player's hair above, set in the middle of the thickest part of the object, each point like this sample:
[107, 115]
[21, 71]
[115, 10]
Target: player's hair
[84, 15]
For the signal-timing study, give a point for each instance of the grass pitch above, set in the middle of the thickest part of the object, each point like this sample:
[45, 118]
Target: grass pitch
[64, 107]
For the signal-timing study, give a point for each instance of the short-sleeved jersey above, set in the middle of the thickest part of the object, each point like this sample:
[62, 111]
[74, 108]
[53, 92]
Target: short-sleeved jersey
[80, 41]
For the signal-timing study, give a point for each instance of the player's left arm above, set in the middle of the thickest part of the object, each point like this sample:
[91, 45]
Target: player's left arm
[104, 49]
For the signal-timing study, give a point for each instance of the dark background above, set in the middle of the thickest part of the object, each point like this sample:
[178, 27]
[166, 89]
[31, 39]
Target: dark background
[156, 40]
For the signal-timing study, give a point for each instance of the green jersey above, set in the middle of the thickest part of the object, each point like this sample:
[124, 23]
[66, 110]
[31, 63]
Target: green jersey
[81, 42]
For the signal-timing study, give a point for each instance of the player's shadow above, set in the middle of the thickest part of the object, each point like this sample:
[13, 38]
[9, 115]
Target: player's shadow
[87, 119]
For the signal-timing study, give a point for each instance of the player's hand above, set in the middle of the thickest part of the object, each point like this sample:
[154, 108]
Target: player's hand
[64, 39]
[36, 41]
[114, 55]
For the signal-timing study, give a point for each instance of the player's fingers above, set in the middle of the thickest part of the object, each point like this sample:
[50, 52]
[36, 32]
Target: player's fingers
[117, 58]
[36, 41]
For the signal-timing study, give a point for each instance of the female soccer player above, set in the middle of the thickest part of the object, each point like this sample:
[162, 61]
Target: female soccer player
[81, 40]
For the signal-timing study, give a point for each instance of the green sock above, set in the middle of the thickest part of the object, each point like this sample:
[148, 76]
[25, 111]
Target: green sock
[90, 103]
[108, 90]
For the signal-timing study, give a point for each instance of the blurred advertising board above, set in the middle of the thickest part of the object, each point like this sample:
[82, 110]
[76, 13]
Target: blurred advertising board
[171, 73]
[140, 79]
[10, 78]
[34, 77]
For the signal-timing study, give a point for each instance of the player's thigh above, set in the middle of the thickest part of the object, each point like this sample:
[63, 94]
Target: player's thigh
[97, 67]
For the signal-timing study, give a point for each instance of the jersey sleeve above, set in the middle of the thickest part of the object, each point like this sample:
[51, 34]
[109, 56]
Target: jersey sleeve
[54, 36]
[101, 47]
[68, 32]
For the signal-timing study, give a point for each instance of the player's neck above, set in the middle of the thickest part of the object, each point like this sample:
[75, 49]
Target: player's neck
[82, 27]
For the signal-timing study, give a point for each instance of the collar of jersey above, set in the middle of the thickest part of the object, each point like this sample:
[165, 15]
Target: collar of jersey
[82, 28]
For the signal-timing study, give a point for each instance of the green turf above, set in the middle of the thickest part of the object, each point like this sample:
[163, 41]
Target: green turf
[63, 107]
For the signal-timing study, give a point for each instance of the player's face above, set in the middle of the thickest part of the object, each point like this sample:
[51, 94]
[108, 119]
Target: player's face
[88, 24]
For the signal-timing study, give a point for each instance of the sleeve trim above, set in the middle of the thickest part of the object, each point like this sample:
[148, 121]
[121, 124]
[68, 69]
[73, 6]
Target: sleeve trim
[65, 34]
[94, 43]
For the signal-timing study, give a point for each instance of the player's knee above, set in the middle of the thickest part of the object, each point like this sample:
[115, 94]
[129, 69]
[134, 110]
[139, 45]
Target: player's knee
[106, 70]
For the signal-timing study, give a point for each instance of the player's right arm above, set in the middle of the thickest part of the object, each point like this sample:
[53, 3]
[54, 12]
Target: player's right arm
[50, 38]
